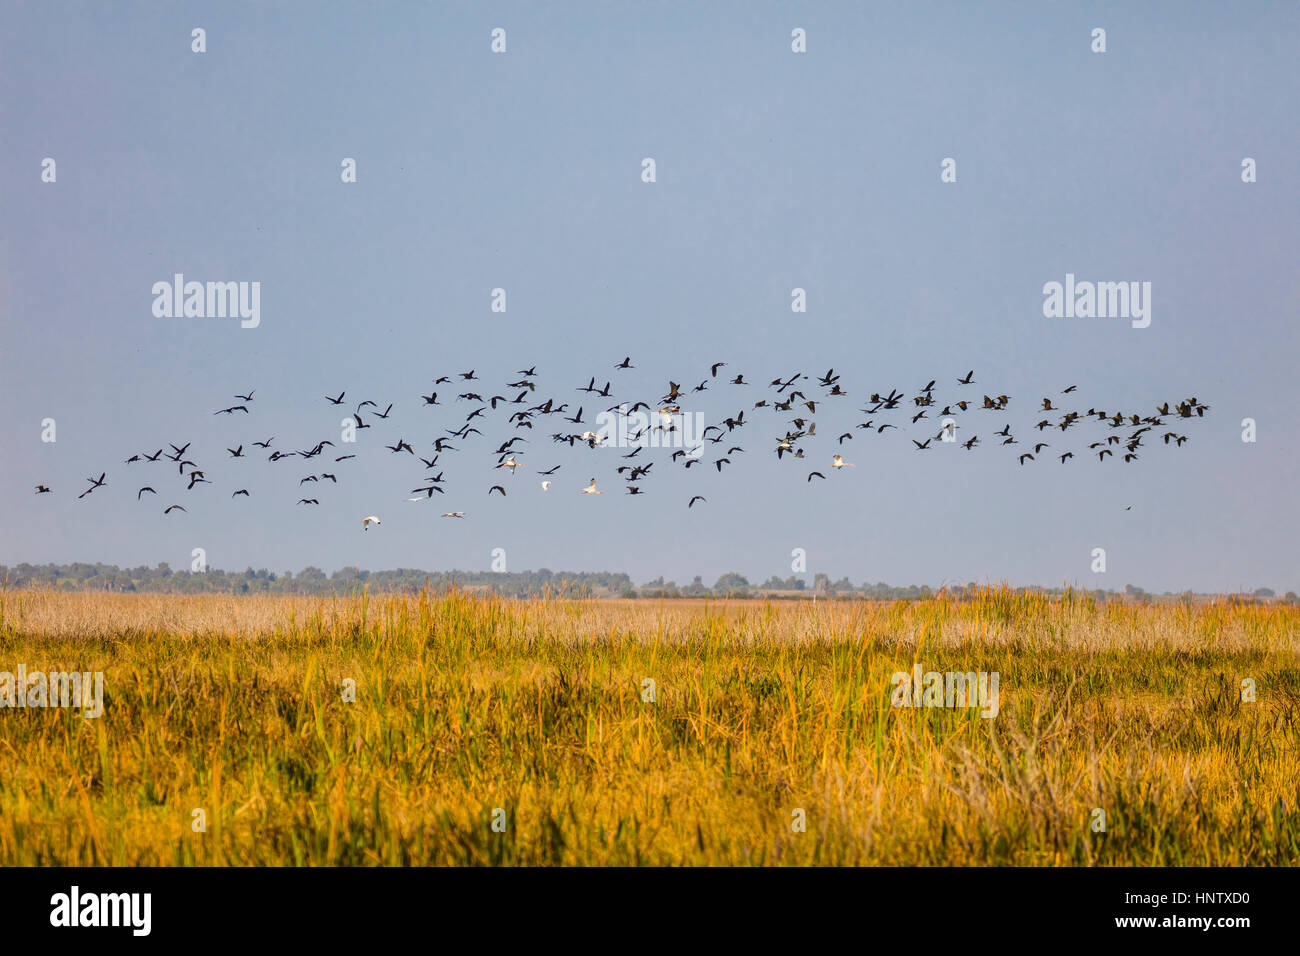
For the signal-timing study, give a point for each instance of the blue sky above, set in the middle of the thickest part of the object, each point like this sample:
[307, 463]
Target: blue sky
[775, 170]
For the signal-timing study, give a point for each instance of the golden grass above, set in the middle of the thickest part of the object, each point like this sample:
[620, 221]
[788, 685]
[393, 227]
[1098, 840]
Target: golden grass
[468, 704]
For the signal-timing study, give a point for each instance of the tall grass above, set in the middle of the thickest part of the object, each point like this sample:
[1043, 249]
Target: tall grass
[467, 705]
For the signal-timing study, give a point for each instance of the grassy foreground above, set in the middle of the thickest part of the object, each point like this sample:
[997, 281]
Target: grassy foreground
[466, 706]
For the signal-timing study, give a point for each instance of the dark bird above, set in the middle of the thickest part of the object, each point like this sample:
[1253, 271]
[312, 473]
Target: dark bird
[308, 501]
[265, 444]
[248, 397]
[922, 445]
[95, 484]
[172, 508]
[336, 401]
[968, 380]
[815, 474]
[236, 452]
[497, 488]
[691, 503]
[42, 490]
[626, 363]
[241, 491]
[143, 490]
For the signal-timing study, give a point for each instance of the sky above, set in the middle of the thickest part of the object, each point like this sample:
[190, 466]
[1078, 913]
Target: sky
[774, 170]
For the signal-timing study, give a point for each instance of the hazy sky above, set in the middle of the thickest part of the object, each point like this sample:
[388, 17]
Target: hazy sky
[774, 170]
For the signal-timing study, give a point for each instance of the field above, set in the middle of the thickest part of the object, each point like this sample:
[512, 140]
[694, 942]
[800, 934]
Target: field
[490, 731]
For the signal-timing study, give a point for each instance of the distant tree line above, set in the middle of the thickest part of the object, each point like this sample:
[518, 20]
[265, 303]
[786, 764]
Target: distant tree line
[540, 583]
[310, 580]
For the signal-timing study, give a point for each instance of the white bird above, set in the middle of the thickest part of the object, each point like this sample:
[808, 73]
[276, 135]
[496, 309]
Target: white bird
[453, 514]
[509, 463]
[839, 462]
[546, 485]
[367, 521]
[593, 438]
[591, 489]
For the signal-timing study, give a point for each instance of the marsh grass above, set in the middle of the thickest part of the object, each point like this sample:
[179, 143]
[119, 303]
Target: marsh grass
[465, 704]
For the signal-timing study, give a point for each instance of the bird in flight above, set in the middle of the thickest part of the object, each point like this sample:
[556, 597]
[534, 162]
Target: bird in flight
[367, 521]
[453, 514]
[143, 490]
[95, 484]
[591, 489]
[168, 511]
[839, 462]
[691, 503]
[42, 490]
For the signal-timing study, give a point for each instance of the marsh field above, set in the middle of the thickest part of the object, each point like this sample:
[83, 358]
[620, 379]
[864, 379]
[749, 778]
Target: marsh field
[448, 728]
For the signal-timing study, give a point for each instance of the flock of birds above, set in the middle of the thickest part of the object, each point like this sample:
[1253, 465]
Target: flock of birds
[793, 399]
